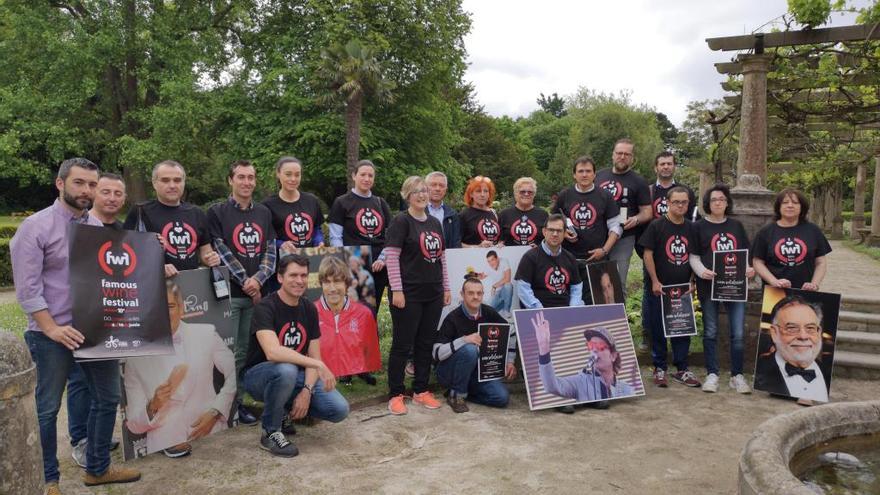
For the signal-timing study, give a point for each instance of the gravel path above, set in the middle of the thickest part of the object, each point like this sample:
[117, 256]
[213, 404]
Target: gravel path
[851, 273]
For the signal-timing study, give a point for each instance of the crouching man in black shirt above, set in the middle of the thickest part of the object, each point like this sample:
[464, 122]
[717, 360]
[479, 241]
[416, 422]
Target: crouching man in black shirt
[283, 367]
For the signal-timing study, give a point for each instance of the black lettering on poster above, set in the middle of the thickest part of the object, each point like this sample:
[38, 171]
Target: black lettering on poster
[677, 304]
[493, 351]
[730, 282]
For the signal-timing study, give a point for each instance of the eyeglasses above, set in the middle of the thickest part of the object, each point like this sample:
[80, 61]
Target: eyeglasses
[679, 202]
[792, 329]
[526, 192]
[597, 346]
[420, 191]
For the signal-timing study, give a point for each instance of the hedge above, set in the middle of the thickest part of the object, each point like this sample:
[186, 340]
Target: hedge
[7, 231]
[5, 264]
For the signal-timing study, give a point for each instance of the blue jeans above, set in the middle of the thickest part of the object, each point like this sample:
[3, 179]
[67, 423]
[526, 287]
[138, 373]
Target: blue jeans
[79, 401]
[736, 314]
[459, 373]
[503, 298]
[242, 312]
[277, 384]
[652, 319]
[54, 362]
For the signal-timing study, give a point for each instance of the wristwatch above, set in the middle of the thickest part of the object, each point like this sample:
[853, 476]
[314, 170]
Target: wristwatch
[308, 387]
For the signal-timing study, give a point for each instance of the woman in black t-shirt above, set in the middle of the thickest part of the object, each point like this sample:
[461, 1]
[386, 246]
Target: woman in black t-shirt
[479, 224]
[296, 215]
[419, 290]
[790, 252]
[521, 224]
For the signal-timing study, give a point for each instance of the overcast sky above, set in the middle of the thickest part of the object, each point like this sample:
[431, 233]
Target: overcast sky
[657, 49]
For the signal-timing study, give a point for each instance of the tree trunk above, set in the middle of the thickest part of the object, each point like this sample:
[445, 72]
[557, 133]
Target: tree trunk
[352, 134]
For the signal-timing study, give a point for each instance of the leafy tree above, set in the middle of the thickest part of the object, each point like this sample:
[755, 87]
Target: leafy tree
[668, 131]
[553, 104]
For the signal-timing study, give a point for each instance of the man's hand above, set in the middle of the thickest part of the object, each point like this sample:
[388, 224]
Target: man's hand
[301, 404]
[542, 333]
[750, 272]
[708, 275]
[162, 394]
[289, 247]
[473, 338]
[631, 222]
[810, 286]
[251, 287]
[447, 297]
[170, 270]
[161, 241]
[782, 283]
[203, 425]
[510, 371]
[328, 380]
[571, 236]
[378, 265]
[65, 335]
[398, 300]
[596, 254]
[211, 258]
[657, 288]
[256, 298]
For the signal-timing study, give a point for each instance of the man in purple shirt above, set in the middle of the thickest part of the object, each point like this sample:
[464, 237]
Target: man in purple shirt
[41, 271]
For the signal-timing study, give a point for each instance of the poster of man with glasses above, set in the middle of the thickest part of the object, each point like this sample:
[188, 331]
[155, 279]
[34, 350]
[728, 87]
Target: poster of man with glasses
[796, 345]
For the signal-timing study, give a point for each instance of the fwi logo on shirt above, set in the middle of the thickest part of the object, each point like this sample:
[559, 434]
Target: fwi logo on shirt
[488, 229]
[583, 215]
[180, 239]
[661, 207]
[431, 246]
[677, 250]
[556, 280]
[369, 222]
[114, 262]
[723, 241]
[524, 231]
[247, 238]
[298, 227]
[614, 188]
[293, 335]
[790, 251]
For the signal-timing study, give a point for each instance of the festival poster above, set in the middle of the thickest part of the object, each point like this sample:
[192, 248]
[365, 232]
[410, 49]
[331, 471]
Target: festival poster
[677, 305]
[730, 282]
[494, 266]
[796, 343]
[117, 279]
[575, 355]
[604, 283]
[492, 362]
[200, 375]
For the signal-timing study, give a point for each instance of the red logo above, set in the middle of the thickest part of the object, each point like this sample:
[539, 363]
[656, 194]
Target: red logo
[790, 251]
[180, 239]
[488, 229]
[661, 207]
[111, 262]
[524, 231]
[369, 222]
[293, 336]
[729, 259]
[248, 239]
[723, 241]
[677, 250]
[556, 280]
[298, 227]
[583, 215]
[431, 244]
[493, 333]
[613, 187]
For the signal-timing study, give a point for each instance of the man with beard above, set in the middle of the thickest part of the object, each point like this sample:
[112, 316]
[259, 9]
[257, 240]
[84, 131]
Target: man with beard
[41, 271]
[796, 331]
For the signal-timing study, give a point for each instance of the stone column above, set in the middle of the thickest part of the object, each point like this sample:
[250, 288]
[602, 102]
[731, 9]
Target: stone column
[875, 206]
[858, 218]
[707, 180]
[751, 163]
[21, 461]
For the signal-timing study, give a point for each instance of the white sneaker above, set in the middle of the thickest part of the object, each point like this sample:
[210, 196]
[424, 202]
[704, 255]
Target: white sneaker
[79, 453]
[738, 382]
[711, 383]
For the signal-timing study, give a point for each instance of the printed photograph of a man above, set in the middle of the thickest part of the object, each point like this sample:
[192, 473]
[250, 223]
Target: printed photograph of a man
[605, 285]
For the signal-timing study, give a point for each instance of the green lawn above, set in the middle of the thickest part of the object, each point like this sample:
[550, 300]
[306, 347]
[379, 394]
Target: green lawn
[873, 252]
[12, 318]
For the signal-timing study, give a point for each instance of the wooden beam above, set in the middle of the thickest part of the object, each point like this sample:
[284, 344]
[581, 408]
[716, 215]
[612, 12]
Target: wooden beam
[843, 60]
[859, 32]
[805, 83]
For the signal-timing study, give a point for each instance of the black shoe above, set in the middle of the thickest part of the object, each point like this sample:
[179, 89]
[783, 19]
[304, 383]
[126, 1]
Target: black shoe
[287, 426]
[245, 417]
[180, 450]
[277, 444]
[368, 377]
[114, 444]
[565, 409]
[345, 379]
[602, 404]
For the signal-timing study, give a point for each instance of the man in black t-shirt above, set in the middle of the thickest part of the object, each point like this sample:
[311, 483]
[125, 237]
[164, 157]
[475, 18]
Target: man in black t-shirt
[243, 236]
[632, 195]
[547, 275]
[182, 227]
[668, 244]
[284, 368]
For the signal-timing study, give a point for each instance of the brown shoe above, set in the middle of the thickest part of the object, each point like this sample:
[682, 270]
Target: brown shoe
[52, 489]
[457, 404]
[112, 475]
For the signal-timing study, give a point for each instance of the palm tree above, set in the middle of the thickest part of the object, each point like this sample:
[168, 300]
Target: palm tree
[350, 74]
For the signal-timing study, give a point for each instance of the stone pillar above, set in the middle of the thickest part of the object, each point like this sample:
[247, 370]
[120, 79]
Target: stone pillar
[21, 461]
[751, 163]
[874, 240]
[858, 218]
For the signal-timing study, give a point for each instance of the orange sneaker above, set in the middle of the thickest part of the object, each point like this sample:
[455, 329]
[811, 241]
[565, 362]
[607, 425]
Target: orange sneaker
[396, 405]
[426, 399]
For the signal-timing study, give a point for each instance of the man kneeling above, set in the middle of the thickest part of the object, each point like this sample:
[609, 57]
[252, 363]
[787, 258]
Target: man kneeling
[285, 370]
[457, 351]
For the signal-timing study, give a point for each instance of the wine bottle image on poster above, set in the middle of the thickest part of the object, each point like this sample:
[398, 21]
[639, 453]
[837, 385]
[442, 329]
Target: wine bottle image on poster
[493, 351]
[677, 304]
[730, 282]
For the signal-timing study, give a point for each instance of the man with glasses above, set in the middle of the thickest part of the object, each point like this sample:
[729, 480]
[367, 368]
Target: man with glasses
[521, 223]
[792, 370]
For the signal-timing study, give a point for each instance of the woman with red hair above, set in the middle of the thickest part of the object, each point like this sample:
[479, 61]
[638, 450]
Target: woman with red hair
[479, 224]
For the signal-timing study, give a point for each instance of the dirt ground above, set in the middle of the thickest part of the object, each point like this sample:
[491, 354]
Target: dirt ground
[674, 440]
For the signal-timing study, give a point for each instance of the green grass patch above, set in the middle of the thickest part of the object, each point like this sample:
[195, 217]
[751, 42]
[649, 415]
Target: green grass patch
[873, 252]
[12, 319]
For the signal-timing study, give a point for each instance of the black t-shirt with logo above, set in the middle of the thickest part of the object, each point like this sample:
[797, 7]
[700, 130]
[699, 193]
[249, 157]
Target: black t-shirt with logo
[672, 245]
[550, 277]
[589, 212]
[295, 326]
[478, 226]
[363, 220]
[297, 221]
[521, 228]
[629, 191]
[246, 233]
[659, 205]
[791, 252]
[710, 237]
[184, 227]
[421, 255]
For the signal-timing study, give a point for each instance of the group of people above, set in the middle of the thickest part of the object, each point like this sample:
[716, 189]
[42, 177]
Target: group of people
[604, 214]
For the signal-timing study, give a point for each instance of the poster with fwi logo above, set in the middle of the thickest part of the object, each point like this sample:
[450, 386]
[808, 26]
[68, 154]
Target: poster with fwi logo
[118, 285]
